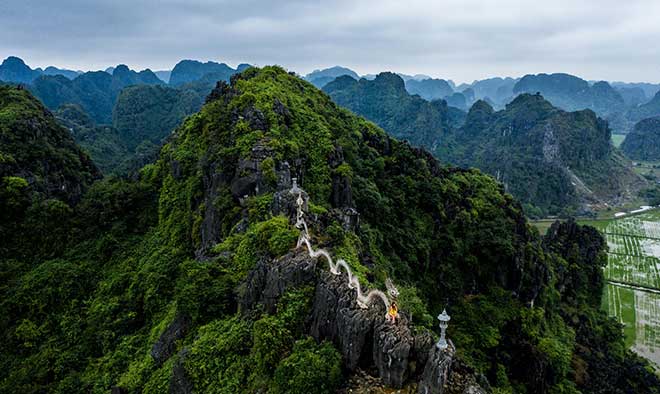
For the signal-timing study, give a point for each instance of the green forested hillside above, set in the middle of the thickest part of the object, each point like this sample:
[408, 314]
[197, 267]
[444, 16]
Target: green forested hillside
[37, 153]
[386, 102]
[96, 92]
[647, 110]
[151, 113]
[146, 288]
[556, 161]
[643, 143]
[103, 143]
[143, 117]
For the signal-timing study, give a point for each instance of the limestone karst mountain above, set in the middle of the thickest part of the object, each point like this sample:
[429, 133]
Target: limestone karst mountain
[102, 142]
[164, 75]
[38, 151]
[187, 278]
[647, 110]
[13, 69]
[553, 161]
[548, 158]
[192, 70]
[386, 102]
[143, 117]
[320, 78]
[571, 93]
[152, 112]
[429, 89]
[96, 92]
[643, 143]
[497, 90]
[50, 70]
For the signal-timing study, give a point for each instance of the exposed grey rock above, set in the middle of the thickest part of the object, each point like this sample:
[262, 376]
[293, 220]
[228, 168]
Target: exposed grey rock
[210, 227]
[424, 343]
[255, 118]
[249, 180]
[392, 351]
[349, 218]
[363, 336]
[164, 348]
[337, 317]
[436, 372]
[180, 383]
[282, 110]
[284, 203]
[284, 176]
[269, 280]
[176, 169]
[342, 194]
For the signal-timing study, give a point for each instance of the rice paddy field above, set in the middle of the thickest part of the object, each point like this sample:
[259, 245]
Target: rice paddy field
[632, 294]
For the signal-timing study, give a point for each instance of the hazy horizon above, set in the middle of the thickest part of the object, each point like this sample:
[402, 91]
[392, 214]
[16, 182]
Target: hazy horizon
[461, 40]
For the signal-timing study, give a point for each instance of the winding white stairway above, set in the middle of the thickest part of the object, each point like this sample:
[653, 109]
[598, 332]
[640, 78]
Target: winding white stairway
[363, 300]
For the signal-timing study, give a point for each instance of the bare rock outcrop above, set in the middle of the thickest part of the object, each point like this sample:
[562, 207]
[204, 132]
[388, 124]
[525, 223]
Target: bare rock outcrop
[362, 335]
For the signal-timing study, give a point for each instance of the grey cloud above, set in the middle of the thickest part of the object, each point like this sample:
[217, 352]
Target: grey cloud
[459, 39]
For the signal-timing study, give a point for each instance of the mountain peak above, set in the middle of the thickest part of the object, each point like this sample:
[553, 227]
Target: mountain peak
[14, 69]
[121, 69]
[392, 79]
[13, 61]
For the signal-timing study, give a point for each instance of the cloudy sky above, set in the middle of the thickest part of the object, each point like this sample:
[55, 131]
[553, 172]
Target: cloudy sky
[458, 39]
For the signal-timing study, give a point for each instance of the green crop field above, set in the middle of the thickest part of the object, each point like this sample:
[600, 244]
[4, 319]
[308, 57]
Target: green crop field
[632, 295]
[617, 139]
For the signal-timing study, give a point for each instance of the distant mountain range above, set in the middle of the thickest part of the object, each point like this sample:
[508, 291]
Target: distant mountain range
[386, 102]
[621, 104]
[14, 69]
[121, 117]
[555, 160]
[96, 92]
[552, 160]
[192, 70]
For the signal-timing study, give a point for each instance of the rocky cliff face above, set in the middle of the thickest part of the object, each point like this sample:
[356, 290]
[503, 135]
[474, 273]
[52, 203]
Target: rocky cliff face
[643, 143]
[545, 156]
[386, 102]
[398, 352]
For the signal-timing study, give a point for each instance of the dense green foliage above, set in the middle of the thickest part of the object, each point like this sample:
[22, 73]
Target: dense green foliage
[151, 113]
[643, 143]
[96, 92]
[555, 162]
[130, 263]
[103, 143]
[572, 93]
[386, 102]
[34, 147]
[143, 117]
